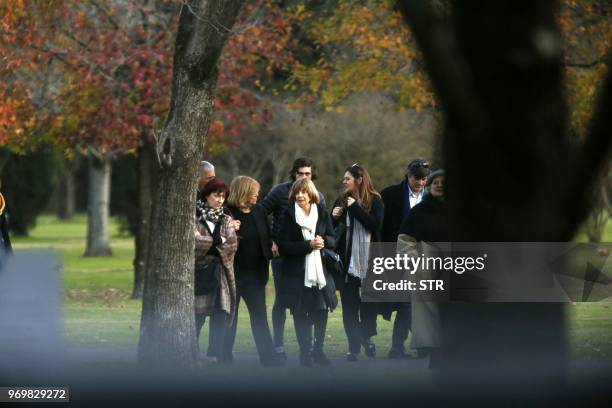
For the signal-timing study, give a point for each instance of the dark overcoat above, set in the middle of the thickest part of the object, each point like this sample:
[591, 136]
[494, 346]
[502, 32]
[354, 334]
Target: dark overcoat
[263, 230]
[293, 249]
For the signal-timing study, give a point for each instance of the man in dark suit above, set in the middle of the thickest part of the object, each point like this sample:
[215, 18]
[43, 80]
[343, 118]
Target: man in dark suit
[399, 199]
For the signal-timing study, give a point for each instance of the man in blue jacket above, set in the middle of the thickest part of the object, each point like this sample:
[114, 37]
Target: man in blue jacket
[276, 202]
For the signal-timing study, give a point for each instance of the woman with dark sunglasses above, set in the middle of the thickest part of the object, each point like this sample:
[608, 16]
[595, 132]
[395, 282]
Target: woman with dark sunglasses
[357, 216]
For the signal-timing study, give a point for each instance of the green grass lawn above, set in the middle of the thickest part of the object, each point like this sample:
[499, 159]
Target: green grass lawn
[99, 312]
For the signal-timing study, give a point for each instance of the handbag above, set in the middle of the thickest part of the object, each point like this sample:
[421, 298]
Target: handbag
[206, 275]
[333, 263]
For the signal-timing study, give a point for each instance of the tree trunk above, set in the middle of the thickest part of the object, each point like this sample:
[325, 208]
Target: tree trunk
[512, 173]
[167, 330]
[146, 176]
[67, 191]
[98, 202]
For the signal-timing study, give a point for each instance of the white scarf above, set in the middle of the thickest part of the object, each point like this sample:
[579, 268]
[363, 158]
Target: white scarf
[314, 275]
[360, 253]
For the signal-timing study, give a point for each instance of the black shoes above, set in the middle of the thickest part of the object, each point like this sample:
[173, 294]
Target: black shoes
[398, 354]
[280, 353]
[319, 357]
[306, 359]
[352, 357]
[369, 348]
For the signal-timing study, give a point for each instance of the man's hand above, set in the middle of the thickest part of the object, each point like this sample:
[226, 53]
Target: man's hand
[236, 225]
[274, 250]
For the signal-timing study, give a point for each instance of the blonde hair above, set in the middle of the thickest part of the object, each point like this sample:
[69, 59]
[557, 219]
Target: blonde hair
[307, 186]
[241, 189]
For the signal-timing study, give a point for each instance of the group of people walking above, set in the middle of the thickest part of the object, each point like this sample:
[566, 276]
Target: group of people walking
[314, 253]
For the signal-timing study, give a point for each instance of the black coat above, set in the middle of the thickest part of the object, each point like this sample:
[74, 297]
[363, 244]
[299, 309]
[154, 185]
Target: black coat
[265, 239]
[4, 234]
[371, 220]
[263, 228]
[394, 198]
[277, 202]
[293, 248]
[427, 221]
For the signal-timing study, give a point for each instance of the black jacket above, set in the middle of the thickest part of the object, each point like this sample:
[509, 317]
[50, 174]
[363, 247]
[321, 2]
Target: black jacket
[263, 229]
[277, 201]
[371, 220]
[4, 236]
[427, 221]
[293, 249]
[394, 198]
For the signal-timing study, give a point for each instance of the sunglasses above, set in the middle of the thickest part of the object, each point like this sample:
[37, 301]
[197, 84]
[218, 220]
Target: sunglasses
[419, 164]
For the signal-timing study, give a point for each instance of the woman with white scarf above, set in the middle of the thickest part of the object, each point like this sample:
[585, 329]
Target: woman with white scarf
[357, 217]
[305, 287]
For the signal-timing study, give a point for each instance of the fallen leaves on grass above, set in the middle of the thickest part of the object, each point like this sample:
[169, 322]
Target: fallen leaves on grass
[110, 296]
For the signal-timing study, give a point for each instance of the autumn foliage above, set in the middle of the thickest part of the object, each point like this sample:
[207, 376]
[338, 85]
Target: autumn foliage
[97, 74]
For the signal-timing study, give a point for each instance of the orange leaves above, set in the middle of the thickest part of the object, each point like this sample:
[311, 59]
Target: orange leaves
[364, 46]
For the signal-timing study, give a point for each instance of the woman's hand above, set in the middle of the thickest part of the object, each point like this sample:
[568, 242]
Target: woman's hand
[317, 243]
[275, 252]
[236, 225]
[337, 212]
[350, 201]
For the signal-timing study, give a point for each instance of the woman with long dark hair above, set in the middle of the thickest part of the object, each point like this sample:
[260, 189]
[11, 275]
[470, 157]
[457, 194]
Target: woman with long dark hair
[215, 247]
[357, 217]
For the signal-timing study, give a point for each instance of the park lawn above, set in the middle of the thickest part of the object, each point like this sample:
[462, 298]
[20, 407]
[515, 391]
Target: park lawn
[98, 310]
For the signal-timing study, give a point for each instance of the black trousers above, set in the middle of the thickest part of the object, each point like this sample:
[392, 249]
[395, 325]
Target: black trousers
[216, 334]
[304, 324]
[359, 319]
[401, 326]
[254, 295]
[279, 314]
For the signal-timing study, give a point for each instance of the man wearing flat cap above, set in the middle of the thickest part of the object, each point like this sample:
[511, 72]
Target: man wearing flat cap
[399, 199]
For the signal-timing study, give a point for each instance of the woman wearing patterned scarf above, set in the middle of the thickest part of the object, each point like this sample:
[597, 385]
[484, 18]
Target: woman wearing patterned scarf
[357, 217]
[215, 246]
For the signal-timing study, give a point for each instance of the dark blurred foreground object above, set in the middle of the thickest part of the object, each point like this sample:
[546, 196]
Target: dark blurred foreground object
[496, 69]
[4, 234]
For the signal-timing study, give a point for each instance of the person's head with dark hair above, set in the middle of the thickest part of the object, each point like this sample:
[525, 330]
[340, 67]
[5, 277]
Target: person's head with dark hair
[358, 184]
[214, 193]
[435, 183]
[303, 168]
[416, 174]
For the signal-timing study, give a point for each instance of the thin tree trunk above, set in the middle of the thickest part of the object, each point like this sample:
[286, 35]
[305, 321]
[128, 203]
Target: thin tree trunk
[167, 330]
[145, 196]
[67, 191]
[98, 240]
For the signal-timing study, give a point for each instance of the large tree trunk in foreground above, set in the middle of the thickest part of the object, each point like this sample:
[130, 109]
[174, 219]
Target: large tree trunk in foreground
[98, 204]
[167, 330]
[512, 174]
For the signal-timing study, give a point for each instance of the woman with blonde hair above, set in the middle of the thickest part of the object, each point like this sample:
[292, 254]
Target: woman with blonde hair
[251, 267]
[306, 288]
[357, 216]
